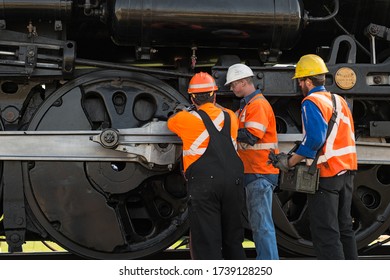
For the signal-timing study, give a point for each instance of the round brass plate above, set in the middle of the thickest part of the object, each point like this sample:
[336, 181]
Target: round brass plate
[345, 78]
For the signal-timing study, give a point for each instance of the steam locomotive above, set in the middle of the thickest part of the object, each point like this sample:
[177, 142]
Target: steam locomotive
[86, 87]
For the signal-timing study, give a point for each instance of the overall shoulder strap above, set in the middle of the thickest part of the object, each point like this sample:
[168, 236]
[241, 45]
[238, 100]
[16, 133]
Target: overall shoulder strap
[207, 121]
[226, 125]
[210, 125]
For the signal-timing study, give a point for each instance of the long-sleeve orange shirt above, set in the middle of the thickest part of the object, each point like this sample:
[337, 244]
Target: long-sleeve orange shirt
[193, 133]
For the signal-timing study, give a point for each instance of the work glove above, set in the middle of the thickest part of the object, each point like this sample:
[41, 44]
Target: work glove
[279, 160]
[181, 107]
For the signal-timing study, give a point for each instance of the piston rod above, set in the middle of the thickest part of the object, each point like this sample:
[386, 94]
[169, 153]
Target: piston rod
[132, 142]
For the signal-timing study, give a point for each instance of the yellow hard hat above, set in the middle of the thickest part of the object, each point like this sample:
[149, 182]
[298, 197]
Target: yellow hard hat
[310, 65]
[202, 82]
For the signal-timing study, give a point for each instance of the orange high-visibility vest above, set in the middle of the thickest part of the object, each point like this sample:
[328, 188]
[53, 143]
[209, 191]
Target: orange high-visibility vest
[339, 151]
[259, 119]
[193, 133]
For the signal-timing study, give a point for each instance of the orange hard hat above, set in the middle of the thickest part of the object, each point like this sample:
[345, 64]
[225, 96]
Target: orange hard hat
[202, 82]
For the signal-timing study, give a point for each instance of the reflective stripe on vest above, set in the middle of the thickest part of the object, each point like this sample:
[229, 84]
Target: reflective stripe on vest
[259, 146]
[256, 125]
[195, 147]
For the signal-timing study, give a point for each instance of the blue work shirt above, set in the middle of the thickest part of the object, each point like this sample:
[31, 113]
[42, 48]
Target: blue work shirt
[315, 127]
[247, 98]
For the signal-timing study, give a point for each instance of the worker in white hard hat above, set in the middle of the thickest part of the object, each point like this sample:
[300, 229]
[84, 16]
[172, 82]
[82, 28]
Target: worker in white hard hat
[256, 136]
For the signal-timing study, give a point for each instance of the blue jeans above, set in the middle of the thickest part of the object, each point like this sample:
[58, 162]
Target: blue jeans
[259, 192]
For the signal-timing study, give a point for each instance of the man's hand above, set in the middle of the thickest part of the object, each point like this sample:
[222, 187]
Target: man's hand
[279, 160]
[181, 107]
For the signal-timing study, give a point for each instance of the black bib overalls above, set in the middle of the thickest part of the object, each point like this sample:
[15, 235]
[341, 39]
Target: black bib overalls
[216, 197]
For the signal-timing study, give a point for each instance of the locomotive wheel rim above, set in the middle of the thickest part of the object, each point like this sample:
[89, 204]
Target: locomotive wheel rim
[370, 212]
[73, 211]
[1, 185]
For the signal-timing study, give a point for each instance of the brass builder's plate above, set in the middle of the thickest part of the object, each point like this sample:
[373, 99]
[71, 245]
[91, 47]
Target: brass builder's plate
[345, 78]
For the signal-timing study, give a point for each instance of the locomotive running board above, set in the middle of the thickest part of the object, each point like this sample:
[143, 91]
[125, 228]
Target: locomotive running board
[154, 142]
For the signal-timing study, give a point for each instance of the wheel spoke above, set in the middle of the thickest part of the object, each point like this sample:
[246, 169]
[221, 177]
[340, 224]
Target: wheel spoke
[124, 219]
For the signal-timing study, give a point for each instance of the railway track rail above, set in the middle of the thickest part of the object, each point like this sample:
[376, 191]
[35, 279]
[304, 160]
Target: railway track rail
[379, 253]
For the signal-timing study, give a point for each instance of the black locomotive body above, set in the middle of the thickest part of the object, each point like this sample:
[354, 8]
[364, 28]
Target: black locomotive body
[86, 87]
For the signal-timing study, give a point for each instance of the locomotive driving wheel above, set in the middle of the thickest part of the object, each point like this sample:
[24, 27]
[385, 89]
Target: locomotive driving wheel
[1, 185]
[370, 212]
[102, 209]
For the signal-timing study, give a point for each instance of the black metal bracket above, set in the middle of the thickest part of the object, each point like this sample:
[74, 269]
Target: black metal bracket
[23, 56]
[351, 58]
[380, 128]
[14, 206]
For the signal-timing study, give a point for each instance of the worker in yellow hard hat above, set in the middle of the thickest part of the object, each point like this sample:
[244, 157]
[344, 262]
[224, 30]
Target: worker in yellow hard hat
[329, 139]
[213, 171]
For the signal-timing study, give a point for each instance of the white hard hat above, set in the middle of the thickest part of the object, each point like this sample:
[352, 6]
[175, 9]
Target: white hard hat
[238, 71]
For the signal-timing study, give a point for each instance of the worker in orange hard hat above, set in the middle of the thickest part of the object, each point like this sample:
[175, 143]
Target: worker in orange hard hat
[329, 139]
[213, 171]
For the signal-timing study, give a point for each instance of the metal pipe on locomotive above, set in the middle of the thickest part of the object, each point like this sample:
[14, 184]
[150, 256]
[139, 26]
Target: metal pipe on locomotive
[86, 87]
